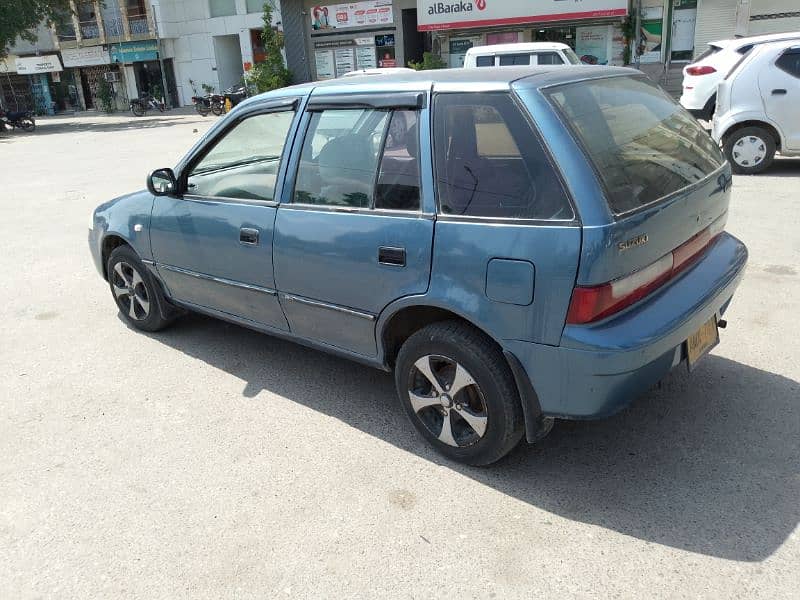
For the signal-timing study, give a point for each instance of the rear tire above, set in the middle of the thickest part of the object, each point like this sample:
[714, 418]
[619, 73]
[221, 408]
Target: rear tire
[459, 393]
[202, 109]
[27, 124]
[217, 108]
[136, 293]
[137, 109]
[750, 150]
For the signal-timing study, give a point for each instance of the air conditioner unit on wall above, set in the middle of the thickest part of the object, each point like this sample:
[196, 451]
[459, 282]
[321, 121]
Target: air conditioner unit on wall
[111, 76]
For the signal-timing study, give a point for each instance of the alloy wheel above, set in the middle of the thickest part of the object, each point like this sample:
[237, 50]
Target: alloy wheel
[130, 291]
[749, 151]
[447, 400]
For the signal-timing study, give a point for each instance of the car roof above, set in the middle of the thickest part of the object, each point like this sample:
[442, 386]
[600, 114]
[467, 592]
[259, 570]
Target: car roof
[518, 47]
[450, 80]
[755, 39]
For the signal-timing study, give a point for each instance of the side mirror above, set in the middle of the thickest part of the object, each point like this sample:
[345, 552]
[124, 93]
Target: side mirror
[162, 182]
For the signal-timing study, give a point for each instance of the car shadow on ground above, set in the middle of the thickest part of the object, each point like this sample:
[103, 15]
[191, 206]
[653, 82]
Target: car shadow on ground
[784, 167]
[707, 463]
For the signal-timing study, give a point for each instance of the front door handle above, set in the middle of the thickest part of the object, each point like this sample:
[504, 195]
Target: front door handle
[779, 92]
[249, 236]
[388, 255]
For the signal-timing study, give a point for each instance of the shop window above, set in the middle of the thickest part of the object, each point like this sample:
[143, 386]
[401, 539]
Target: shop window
[254, 6]
[222, 8]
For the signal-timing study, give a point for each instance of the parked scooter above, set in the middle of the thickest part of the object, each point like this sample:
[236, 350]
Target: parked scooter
[139, 106]
[22, 119]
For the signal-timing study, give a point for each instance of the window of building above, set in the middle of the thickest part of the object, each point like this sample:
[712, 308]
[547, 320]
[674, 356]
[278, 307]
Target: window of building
[254, 6]
[244, 163]
[222, 8]
[361, 159]
[490, 163]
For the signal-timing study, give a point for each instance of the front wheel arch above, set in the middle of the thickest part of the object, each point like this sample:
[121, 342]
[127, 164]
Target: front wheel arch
[776, 136]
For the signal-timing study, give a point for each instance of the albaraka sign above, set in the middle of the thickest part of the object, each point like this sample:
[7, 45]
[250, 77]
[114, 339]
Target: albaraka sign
[460, 14]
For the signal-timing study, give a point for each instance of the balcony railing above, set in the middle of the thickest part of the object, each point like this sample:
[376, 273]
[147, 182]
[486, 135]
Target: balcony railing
[90, 30]
[66, 33]
[138, 25]
[114, 27]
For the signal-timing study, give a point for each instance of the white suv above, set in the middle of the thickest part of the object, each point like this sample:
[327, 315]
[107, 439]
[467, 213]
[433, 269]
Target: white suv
[758, 107]
[701, 77]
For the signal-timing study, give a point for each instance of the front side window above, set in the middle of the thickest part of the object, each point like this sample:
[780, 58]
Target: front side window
[643, 145]
[360, 158]
[490, 163]
[548, 58]
[244, 163]
[508, 60]
[484, 61]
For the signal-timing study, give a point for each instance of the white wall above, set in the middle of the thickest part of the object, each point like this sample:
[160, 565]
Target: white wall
[187, 33]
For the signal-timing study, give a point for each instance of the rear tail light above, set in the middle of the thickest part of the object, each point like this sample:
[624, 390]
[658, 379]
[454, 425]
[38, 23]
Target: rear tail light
[700, 70]
[593, 303]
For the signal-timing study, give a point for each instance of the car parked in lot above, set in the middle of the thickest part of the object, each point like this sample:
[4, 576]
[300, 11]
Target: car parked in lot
[515, 244]
[758, 107]
[700, 78]
[521, 54]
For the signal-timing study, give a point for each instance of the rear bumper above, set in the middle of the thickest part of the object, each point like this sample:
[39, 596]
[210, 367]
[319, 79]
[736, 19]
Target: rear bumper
[599, 369]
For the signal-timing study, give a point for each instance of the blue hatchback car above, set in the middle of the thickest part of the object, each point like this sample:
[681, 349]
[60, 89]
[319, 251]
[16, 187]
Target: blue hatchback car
[517, 245]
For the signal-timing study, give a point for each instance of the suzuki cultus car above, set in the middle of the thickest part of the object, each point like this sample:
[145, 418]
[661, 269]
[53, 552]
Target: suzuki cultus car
[516, 245]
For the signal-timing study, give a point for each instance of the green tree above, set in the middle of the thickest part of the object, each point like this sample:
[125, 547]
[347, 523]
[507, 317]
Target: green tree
[20, 18]
[429, 61]
[272, 73]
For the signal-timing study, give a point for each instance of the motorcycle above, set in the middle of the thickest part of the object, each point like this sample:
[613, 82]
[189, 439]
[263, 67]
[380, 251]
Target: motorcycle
[22, 119]
[235, 94]
[139, 106]
[214, 103]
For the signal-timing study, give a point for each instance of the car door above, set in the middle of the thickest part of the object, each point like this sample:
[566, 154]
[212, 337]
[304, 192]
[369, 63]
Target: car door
[353, 235]
[780, 90]
[213, 242]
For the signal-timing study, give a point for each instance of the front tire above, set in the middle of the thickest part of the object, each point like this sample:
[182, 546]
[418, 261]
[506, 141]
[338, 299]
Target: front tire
[459, 393]
[217, 108]
[137, 109]
[750, 150]
[27, 124]
[134, 290]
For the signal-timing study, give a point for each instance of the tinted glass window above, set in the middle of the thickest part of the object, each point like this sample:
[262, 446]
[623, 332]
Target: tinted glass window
[789, 61]
[508, 60]
[744, 49]
[709, 51]
[571, 56]
[484, 61]
[489, 161]
[398, 179]
[244, 163]
[548, 58]
[643, 145]
[339, 159]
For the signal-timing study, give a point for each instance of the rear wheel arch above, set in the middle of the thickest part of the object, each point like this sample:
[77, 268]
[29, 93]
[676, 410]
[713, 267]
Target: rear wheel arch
[776, 136]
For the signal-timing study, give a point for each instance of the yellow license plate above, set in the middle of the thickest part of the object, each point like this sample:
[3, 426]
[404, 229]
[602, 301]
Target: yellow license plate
[701, 341]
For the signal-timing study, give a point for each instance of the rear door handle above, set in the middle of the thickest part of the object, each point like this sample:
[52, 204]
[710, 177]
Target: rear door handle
[388, 255]
[249, 236]
[779, 92]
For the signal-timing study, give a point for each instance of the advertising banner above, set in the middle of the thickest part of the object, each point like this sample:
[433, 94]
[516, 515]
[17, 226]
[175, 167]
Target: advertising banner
[460, 14]
[373, 13]
[324, 63]
[591, 44]
[344, 61]
[30, 65]
[85, 57]
[128, 52]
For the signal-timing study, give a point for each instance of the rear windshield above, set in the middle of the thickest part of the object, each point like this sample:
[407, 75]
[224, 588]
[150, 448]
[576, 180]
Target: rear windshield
[643, 145]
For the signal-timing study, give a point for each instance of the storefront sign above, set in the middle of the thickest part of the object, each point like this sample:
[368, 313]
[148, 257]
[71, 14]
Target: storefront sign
[504, 37]
[323, 60]
[355, 14]
[591, 44]
[30, 65]
[365, 57]
[85, 57]
[460, 14]
[344, 61]
[128, 52]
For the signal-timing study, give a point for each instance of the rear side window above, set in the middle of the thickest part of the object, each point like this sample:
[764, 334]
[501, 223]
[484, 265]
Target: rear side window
[490, 163]
[509, 60]
[642, 144]
[484, 61]
[789, 62]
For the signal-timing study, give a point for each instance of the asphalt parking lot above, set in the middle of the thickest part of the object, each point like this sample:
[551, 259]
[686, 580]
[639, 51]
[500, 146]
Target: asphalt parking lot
[209, 461]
